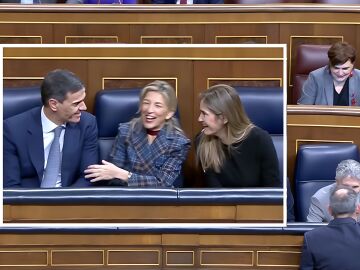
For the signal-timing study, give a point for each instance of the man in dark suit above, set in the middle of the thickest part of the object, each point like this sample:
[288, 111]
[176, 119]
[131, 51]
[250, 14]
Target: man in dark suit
[335, 246]
[194, 1]
[28, 136]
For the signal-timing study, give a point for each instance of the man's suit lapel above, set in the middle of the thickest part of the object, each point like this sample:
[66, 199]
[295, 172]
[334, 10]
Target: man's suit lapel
[36, 143]
[69, 152]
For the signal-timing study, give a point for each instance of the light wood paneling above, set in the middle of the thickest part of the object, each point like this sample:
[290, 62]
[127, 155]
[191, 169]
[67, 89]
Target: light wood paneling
[290, 24]
[110, 213]
[140, 250]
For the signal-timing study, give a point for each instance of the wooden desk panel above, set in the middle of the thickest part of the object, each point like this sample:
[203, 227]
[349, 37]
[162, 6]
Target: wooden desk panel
[319, 124]
[150, 250]
[255, 213]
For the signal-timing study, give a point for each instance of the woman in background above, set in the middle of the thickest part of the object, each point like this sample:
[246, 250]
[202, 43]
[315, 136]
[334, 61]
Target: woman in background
[230, 149]
[338, 83]
[149, 150]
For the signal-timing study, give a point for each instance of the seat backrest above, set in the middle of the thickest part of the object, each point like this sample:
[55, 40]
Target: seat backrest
[309, 58]
[278, 141]
[289, 202]
[112, 107]
[315, 168]
[18, 100]
[264, 106]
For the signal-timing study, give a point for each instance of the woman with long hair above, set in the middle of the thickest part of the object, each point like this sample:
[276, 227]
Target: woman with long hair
[231, 150]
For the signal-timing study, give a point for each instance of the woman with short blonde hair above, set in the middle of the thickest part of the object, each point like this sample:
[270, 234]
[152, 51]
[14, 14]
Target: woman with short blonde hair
[148, 150]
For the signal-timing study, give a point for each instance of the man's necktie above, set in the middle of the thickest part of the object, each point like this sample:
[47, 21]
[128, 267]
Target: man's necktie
[53, 161]
[183, 2]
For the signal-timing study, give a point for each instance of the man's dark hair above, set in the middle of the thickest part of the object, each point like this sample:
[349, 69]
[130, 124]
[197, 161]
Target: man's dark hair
[343, 200]
[58, 83]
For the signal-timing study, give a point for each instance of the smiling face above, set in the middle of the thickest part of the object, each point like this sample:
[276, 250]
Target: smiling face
[154, 111]
[340, 73]
[212, 124]
[70, 109]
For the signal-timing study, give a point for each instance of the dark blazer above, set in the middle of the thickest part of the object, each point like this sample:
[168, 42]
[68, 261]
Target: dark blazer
[251, 163]
[318, 89]
[157, 164]
[332, 247]
[24, 150]
[195, 1]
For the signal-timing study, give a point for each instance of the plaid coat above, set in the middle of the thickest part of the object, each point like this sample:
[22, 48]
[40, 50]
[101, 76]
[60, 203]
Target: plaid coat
[157, 164]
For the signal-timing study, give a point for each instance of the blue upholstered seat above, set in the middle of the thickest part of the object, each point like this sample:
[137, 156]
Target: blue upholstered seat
[278, 141]
[18, 100]
[264, 106]
[111, 108]
[315, 168]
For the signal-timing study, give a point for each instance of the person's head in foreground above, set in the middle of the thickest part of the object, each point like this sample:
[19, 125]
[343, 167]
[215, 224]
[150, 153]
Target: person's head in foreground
[335, 246]
[344, 202]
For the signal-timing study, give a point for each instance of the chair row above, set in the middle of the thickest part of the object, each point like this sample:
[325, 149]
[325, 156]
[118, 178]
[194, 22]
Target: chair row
[116, 106]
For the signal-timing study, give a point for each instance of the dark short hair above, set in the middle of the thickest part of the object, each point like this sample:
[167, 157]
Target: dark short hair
[58, 83]
[343, 202]
[340, 52]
